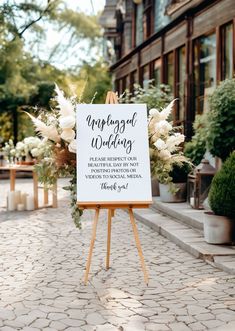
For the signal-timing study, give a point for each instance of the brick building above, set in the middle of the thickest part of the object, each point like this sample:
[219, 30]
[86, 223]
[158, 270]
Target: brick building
[188, 44]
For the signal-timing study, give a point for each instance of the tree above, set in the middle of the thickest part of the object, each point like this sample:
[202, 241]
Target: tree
[25, 79]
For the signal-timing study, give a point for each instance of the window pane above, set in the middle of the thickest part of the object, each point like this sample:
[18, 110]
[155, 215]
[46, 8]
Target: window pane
[170, 70]
[139, 24]
[228, 52]
[157, 72]
[133, 81]
[145, 75]
[181, 82]
[160, 19]
[204, 71]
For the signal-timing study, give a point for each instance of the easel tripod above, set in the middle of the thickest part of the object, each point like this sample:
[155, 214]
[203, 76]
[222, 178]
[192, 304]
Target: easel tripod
[112, 98]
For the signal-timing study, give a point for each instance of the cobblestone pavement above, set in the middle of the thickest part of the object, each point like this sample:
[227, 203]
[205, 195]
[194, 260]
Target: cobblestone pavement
[42, 259]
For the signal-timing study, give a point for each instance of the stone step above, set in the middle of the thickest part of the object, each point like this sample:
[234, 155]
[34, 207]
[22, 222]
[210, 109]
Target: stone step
[181, 211]
[188, 238]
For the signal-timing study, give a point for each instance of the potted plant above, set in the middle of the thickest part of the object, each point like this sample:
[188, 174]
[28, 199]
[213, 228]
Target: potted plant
[165, 153]
[178, 191]
[156, 97]
[219, 224]
[221, 119]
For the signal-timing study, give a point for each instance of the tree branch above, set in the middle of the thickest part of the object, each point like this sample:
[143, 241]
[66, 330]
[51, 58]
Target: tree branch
[27, 26]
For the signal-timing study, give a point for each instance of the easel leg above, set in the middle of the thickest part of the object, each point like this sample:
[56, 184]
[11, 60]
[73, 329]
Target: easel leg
[137, 241]
[110, 214]
[88, 264]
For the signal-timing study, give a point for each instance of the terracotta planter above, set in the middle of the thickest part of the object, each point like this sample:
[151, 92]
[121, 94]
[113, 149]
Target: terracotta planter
[167, 196]
[218, 229]
[155, 187]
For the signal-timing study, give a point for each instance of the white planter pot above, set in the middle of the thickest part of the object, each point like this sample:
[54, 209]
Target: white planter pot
[167, 196]
[218, 229]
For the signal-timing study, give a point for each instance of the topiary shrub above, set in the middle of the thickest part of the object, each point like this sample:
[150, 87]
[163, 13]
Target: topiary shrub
[221, 119]
[196, 148]
[222, 191]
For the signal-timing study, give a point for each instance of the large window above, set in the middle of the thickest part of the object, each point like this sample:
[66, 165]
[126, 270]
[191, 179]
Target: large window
[170, 70]
[204, 71]
[133, 80]
[139, 24]
[227, 51]
[157, 72]
[181, 82]
[147, 18]
[160, 17]
[145, 76]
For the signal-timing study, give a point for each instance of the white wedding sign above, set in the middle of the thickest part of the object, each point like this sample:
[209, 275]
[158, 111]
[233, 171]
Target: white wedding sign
[113, 154]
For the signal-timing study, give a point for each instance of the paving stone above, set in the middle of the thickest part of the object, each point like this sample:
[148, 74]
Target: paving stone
[179, 327]
[95, 319]
[42, 287]
[40, 323]
[57, 325]
[57, 316]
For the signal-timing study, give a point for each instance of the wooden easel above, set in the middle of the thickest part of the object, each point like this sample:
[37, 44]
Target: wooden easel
[112, 98]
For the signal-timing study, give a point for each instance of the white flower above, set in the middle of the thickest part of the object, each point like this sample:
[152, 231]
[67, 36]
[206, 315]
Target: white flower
[160, 144]
[164, 154]
[166, 111]
[20, 146]
[67, 122]
[35, 152]
[174, 141]
[153, 112]
[68, 135]
[65, 105]
[31, 142]
[13, 152]
[73, 146]
[163, 127]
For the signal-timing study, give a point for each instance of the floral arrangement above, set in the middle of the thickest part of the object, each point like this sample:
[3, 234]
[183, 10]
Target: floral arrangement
[58, 157]
[26, 150]
[9, 151]
[164, 142]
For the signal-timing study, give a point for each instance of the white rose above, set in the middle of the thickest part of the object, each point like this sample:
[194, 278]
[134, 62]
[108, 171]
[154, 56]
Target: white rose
[174, 141]
[20, 145]
[68, 135]
[160, 144]
[164, 154]
[67, 122]
[73, 146]
[35, 152]
[163, 127]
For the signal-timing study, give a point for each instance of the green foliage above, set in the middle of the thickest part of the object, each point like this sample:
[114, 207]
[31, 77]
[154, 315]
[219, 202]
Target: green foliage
[97, 80]
[221, 119]
[6, 129]
[76, 213]
[154, 96]
[196, 148]
[179, 172]
[222, 191]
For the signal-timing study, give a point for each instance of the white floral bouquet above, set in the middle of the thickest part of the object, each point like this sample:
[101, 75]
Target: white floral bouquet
[9, 150]
[28, 149]
[164, 141]
[58, 126]
[58, 158]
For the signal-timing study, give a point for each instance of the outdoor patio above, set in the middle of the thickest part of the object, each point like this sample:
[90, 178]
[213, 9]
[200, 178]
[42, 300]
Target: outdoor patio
[43, 259]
